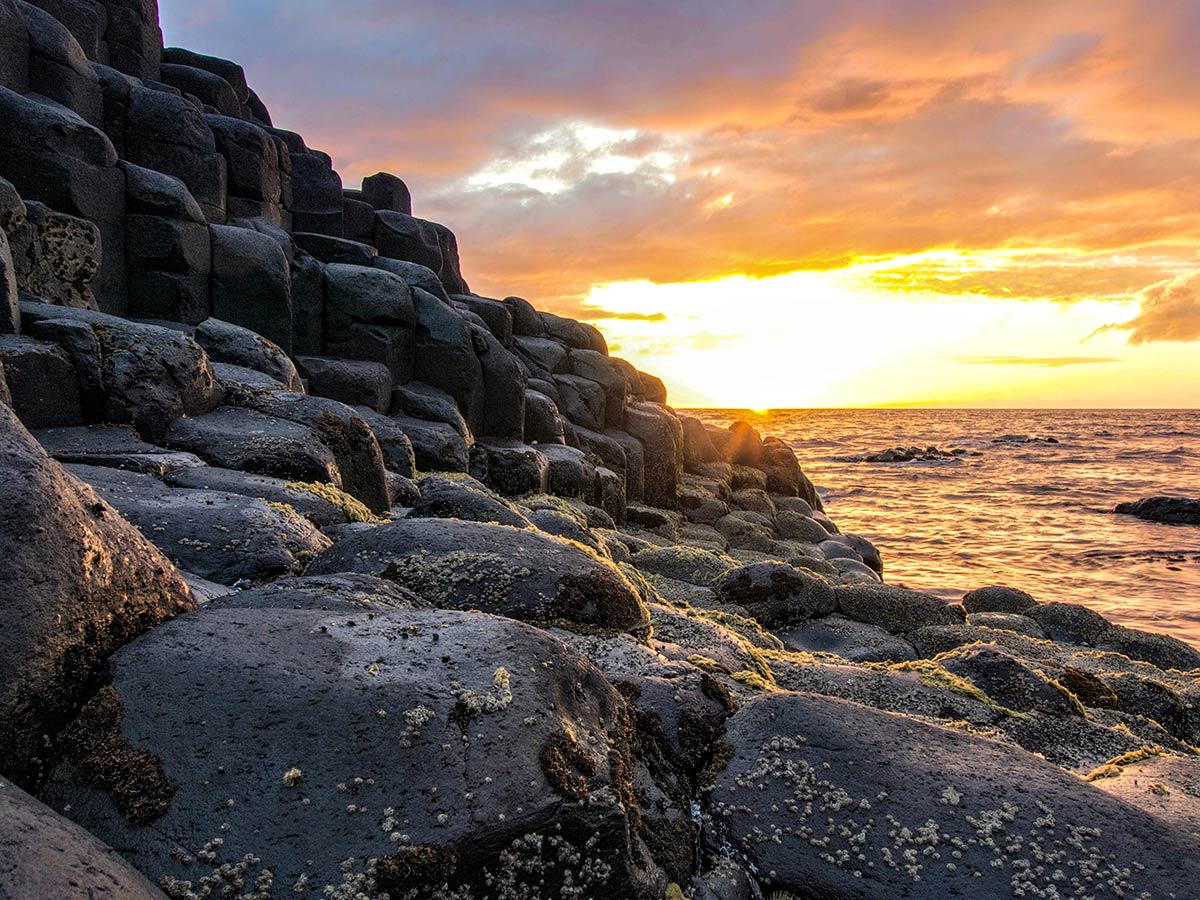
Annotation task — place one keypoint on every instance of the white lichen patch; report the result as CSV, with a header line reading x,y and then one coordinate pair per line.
x,y
476,702
444,578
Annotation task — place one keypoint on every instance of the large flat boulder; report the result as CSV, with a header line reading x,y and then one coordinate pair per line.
x,y
408,753
78,581
249,441
322,504
113,446
513,572
341,429
828,798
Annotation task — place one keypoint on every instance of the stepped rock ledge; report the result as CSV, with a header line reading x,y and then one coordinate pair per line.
x,y
324,576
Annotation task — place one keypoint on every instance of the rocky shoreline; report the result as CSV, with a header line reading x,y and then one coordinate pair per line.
x,y
326,577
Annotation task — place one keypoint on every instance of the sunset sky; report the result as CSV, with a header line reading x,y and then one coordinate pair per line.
x,y
772,204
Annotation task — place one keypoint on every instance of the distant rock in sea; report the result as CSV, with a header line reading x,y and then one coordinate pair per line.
x,y
1024,439
1171,510
915,454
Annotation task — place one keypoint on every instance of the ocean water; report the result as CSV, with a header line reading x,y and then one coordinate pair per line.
x,y
1035,515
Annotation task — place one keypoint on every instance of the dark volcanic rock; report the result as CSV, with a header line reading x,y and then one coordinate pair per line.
x,y
219,536
144,375
114,446
1008,681
252,283
1160,650
424,746
543,423
394,443
940,814
228,343
856,641
1172,510
356,382
43,386
517,573
78,582
445,356
369,315
385,191
343,591
249,441
1069,622
321,504
775,593
894,608
423,401
341,429
997,598
57,257
464,498
42,855
659,431
511,467
436,445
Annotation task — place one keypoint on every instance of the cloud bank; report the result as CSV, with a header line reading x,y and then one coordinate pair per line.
x,y
571,144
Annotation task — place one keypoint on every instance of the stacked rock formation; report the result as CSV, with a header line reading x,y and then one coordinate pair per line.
x,y
324,576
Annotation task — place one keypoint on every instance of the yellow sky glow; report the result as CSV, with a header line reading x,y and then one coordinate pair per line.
x,y
836,339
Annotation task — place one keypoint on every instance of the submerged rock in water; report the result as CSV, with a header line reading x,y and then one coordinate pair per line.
x,y
915,454
1171,510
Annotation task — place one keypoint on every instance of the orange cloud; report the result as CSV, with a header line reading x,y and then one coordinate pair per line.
x,y
1059,140
1170,311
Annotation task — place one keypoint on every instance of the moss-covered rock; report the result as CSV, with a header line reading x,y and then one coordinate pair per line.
x,y
520,573
894,608
775,593
688,564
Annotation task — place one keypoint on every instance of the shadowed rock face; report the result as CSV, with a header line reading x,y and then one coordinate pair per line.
x,y
427,746
78,581
44,855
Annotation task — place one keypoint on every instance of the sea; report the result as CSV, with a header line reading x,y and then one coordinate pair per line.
x,y
1028,504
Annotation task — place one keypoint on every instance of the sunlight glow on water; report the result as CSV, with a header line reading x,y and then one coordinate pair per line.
x,y
1035,516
